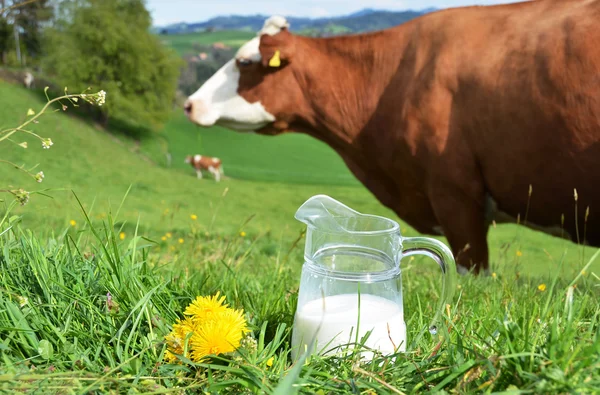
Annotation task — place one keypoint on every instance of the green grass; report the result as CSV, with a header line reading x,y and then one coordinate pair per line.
x,y
289,158
184,43
505,330
60,334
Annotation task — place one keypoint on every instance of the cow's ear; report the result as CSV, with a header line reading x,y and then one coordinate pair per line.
x,y
276,50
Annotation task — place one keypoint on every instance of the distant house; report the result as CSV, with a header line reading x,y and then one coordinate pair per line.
x,y
220,45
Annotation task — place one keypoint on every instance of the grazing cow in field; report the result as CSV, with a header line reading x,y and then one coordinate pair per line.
x,y
453,120
28,80
200,163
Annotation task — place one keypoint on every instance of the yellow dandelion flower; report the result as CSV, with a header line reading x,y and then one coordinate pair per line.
x,y
177,338
122,235
172,248
164,238
494,275
519,253
205,307
542,287
194,217
180,240
243,234
220,335
168,234
72,222
270,361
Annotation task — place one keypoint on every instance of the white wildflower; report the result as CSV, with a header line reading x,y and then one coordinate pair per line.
x,y
101,99
39,176
22,300
46,143
22,196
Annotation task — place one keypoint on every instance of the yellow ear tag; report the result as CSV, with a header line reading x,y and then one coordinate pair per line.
x,y
275,60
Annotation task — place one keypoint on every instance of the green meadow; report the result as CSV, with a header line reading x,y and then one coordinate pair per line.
x,y
112,216
184,43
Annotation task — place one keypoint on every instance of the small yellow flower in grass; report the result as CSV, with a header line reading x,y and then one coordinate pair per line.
x,y
243,234
542,287
583,272
30,112
194,217
494,275
220,335
122,235
519,253
168,235
270,361
72,222
211,328
164,238
180,240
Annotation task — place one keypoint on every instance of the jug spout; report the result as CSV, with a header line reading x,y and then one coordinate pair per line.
x,y
326,214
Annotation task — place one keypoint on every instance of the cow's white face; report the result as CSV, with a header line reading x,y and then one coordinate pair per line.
x,y
218,101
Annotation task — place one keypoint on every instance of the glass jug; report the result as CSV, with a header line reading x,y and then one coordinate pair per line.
x,y
351,279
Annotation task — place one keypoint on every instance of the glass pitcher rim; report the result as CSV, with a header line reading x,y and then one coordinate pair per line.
x,y
395,227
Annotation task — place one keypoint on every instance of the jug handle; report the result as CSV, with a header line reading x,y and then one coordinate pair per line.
x,y
442,255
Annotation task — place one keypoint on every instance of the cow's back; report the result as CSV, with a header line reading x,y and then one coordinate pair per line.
x,y
524,82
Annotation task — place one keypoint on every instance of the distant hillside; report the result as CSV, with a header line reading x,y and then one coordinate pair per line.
x,y
365,20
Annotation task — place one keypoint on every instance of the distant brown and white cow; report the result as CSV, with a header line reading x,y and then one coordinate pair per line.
x,y
447,119
211,164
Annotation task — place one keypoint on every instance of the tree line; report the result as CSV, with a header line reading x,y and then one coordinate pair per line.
x,y
97,44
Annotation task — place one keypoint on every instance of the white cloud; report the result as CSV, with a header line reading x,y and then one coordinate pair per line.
x,y
318,12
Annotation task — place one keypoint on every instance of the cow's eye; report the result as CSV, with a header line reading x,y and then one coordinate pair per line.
x,y
244,62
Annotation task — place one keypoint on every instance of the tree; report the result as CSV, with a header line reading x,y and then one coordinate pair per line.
x,y
22,22
31,17
107,44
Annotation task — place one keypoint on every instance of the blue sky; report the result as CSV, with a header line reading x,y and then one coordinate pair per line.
x,y
171,11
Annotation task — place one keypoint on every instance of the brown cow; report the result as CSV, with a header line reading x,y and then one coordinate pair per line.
x,y
447,119
213,165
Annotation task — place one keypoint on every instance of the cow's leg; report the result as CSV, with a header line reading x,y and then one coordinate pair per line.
x,y
214,173
464,225
199,173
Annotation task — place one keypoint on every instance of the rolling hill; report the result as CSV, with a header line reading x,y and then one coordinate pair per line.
x,y
364,20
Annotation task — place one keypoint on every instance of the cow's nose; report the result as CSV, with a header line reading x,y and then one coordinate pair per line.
x,y
187,107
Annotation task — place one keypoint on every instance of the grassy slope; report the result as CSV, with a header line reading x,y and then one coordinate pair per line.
x,y
97,168
184,43
289,158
